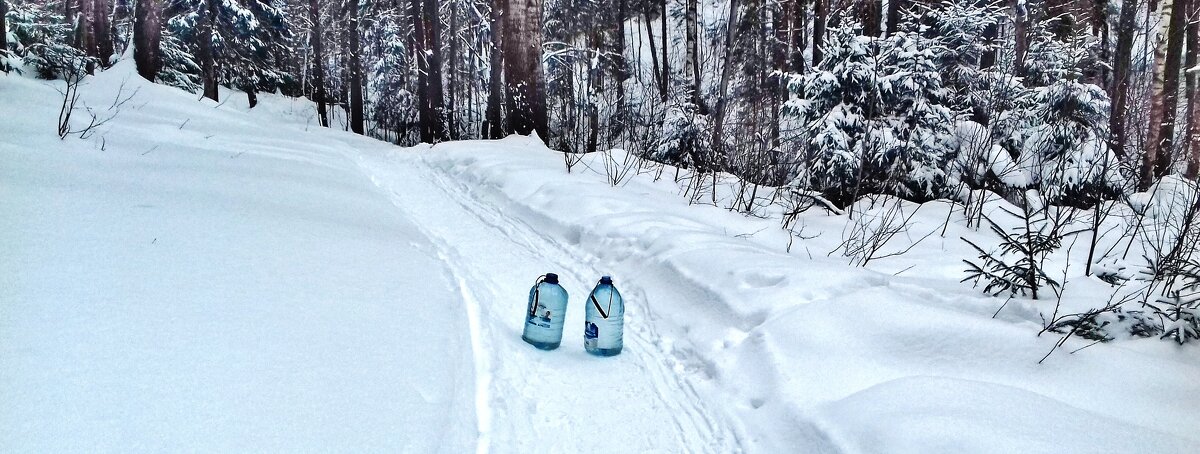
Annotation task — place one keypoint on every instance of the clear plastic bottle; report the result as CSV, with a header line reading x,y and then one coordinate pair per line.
x,y
545,314
603,326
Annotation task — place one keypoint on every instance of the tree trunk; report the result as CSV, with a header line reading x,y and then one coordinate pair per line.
x,y
1163,94
988,58
102,31
660,77
1119,90
820,17
452,75
355,69
318,61
416,44
436,97
251,95
797,24
718,131
594,91
1192,66
208,64
70,9
784,33
1099,21
523,76
3,31
781,46
1021,36
85,32
1170,95
147,32
429,70
666,56
870,12
691,62
493,126
620,69
895,8
1060,21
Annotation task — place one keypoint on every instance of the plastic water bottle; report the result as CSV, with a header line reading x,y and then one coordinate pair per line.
x,y
603,326
546,312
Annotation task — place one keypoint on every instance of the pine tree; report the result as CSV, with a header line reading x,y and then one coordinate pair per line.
x,y
44,40
231,41
918,115
840,97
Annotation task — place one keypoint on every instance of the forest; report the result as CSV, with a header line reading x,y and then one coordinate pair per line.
x,y
1081,100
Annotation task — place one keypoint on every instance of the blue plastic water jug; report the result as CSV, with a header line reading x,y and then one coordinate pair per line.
x,y
546,312
604,324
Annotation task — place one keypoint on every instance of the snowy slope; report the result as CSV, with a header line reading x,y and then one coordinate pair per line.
x,y
203,277
221,285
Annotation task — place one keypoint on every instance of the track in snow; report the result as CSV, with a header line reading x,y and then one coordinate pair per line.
x,y
564,400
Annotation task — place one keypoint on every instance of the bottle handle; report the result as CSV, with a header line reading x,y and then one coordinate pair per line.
x,y
537,287
592,297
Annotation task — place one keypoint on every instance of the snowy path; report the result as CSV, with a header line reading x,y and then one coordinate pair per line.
x,y
564,400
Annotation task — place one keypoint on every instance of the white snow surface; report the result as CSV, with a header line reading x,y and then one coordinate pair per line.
x,y
206,277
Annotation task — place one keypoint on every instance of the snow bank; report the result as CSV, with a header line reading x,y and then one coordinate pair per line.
x,y
196,278
951,415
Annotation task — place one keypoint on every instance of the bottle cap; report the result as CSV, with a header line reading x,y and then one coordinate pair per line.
x,y
607,280
551,278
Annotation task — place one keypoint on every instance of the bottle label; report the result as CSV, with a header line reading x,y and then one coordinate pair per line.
x,y
590,333
602,334
542,317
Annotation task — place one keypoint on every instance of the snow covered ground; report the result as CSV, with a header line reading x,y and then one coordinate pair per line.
x,y
207,277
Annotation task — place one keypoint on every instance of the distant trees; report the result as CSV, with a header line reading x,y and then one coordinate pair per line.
x,y
737,86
